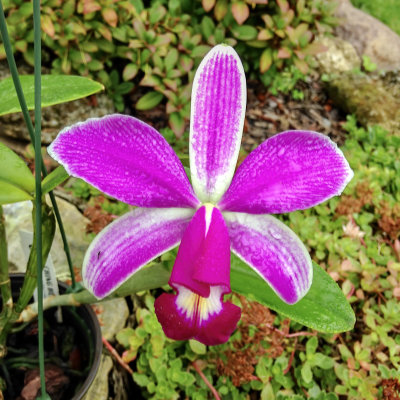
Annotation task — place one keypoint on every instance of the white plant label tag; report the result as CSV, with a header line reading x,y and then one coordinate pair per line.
x,y
50,285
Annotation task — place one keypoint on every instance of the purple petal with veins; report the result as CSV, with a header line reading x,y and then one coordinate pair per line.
x,y
293,170
273,251
124,158
203,258
201,278
216,124
129,243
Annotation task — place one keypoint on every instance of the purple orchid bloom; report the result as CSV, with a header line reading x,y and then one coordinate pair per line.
x,y
223,212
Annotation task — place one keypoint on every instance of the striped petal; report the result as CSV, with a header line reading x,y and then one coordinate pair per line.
x,y
129,243
124,158
291,171
201,278
273,251
217,117
203,258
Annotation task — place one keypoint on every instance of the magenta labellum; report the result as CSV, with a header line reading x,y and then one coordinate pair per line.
x,y
223,212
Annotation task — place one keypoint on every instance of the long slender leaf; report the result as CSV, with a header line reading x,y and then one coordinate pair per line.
x,y
55,178
56,89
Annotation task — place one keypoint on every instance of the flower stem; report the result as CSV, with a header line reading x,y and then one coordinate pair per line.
x,y
21,98
38,187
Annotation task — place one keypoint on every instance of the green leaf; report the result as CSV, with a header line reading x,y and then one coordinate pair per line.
x,y
10,193
245,32
306,373
149,100
14,172
177,123
55,178
197,347
324,308
56,89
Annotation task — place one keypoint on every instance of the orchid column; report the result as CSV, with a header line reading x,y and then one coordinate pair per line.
x,y
132,162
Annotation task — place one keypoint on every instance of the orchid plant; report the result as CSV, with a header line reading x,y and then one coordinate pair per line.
x,y
222,211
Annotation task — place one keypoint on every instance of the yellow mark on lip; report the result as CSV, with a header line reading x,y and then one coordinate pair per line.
x,y
198,308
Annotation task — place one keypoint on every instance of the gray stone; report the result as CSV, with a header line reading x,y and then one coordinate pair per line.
x,y
375,100
369,36
19,216
340,56
113,315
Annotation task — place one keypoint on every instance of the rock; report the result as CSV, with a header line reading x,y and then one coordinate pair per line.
x,y
99,388
369,36
112,316
341,56
56,117
19,216
374,100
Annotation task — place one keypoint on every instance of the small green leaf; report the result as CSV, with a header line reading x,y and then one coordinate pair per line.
x,y
149,100
245,32
265,60
207,27
200,51
14,171
55,178
197,347
306,372
56,89
171,59
324,308
177,123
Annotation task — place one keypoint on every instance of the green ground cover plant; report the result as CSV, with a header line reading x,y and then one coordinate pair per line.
x,y
385,10
158,44
355,237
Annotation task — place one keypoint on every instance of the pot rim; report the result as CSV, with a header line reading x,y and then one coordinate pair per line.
x,y
94,326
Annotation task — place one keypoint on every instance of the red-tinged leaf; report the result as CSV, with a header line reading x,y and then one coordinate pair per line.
x,y
172,84
105,32
284,52
139,27
257,1
170,107
288,17
283,5
265,34
300,54
208,4
186,63
90,6
301,65
314,48
300,6
130,71
177,124
240,12
110,16
265,60
150,80
220,9
47,25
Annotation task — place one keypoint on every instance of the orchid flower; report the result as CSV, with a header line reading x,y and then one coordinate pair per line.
x,y
221,211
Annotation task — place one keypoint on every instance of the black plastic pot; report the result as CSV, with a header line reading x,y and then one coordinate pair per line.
x,y
82,321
